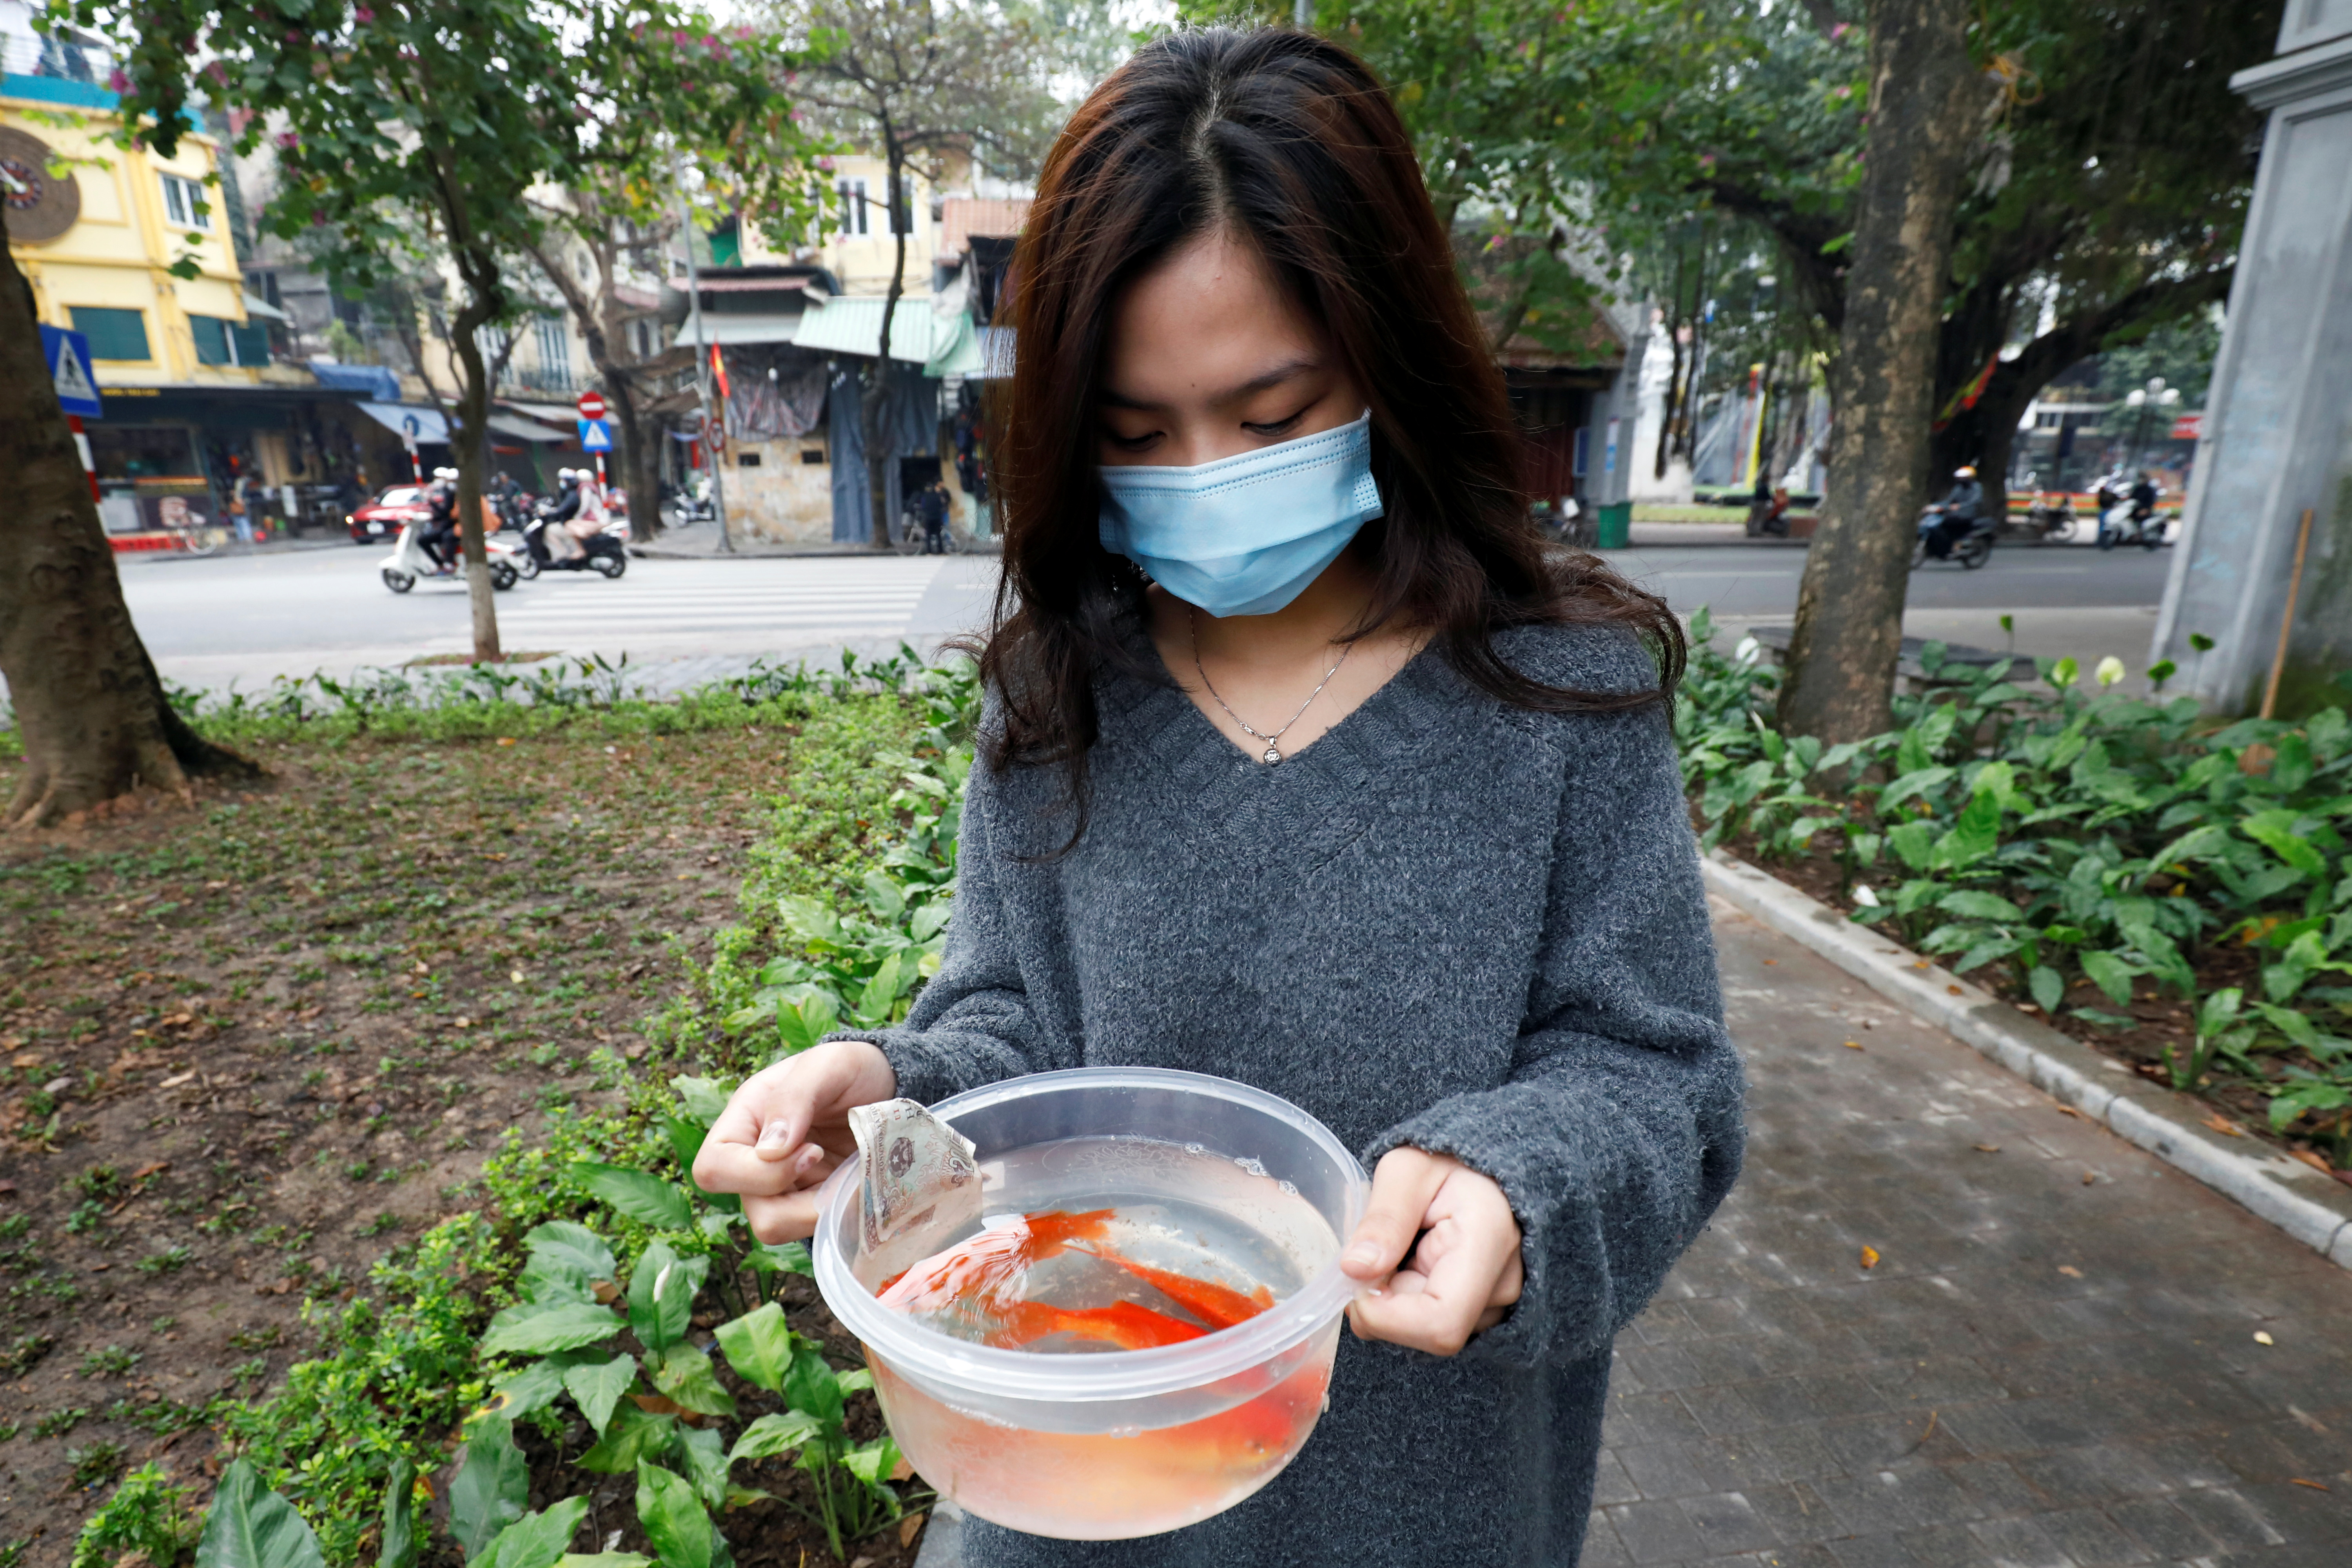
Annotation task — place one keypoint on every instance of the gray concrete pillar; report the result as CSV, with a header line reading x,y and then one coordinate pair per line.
x,y
2278,425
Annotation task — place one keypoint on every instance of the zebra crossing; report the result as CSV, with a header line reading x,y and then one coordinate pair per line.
x,y
689,601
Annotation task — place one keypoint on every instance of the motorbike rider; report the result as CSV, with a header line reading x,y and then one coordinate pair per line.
x,y
1959,509
930,507
2144,495
439,539
562,542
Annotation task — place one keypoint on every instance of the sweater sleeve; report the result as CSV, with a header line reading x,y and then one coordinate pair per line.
x,y
1618,1130
973,1023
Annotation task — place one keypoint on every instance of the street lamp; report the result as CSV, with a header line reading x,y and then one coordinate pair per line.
x,y
2156,394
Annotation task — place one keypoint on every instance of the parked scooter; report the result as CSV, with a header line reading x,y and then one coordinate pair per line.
x,y
410,563
601,553
1971,550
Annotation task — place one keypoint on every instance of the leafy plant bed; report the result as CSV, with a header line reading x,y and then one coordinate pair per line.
x,y
246,1049
2175,892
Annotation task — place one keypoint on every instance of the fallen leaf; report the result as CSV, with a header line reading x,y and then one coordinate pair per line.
x,y
103,1268
1920,965
2316,1160
510,739
26,1060
177,1079
913,1522
1768,960
1854,1045
1953,989
1870,1257
2069,1270
657,1405
7,1189
2070,1111
516,974
2263,1336
2255,760
1988,1148
604,1291
57,1086
2223,1125
903,1470
2292,1480
2089,1178
143,1171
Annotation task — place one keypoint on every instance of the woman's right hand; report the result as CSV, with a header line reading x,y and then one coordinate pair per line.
x,y
786,1129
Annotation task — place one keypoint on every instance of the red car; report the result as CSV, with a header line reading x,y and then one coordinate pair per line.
x,y
378,522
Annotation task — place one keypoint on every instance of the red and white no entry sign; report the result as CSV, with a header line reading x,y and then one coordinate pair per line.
x,y
591,406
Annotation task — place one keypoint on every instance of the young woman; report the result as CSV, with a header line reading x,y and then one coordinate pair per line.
x,y
1304,765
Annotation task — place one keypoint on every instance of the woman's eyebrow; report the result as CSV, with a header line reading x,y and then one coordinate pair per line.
x,y
1111,397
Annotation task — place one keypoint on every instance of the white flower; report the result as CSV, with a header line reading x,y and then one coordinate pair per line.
x,y
2110,670
1864,897
1746,651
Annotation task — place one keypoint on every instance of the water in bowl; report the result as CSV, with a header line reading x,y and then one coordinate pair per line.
x,y
1093,1246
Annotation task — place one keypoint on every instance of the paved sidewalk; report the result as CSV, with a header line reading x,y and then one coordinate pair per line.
x,y
2052,1363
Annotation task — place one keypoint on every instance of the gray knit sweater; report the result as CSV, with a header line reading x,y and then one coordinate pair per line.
x,y
1446,923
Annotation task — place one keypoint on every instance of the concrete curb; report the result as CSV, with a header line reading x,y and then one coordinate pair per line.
x,y
2157,1119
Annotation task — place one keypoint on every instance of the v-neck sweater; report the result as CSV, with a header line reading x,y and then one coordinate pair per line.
x,y
1447,924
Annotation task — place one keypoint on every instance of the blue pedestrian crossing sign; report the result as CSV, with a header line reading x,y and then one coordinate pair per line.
x,y
69,356
595,435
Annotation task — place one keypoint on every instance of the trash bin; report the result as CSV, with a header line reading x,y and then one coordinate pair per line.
x,y
1616,529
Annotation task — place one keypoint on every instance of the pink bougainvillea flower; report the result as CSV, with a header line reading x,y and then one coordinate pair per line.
x,y
1838,32
363,15
117,82
288,139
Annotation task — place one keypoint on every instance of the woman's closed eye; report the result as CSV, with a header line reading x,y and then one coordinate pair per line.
x,y
1278,429
1143,442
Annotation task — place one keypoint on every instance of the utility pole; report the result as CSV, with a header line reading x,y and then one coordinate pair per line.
x,y
702,374
1302,16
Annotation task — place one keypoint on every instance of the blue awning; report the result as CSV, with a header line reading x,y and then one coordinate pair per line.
x,y
409,422
378,384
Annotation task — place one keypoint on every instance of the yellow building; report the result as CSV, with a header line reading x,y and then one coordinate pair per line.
x,y
198,418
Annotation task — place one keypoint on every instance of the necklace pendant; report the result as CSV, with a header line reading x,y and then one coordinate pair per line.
x,y
1273,755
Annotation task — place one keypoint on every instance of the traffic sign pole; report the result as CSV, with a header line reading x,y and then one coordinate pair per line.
x,y
702,377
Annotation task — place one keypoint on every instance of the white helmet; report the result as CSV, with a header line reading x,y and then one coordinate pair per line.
x,y
445,473
1965,472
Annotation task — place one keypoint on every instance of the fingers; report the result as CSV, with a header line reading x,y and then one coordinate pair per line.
x,y
1465,1273
1403,1184
790,1217
780,1129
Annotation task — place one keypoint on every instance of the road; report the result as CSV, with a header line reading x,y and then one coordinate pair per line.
x,y
246,619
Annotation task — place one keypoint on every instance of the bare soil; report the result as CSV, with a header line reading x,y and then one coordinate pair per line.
x,y
246,1050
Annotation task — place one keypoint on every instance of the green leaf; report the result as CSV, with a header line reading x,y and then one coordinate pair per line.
x,y
759,1346
1980,906
704,1454
250,1526
782,1258
687,1376
534,1387
885,897
685,1142
661,1295
854,1380
2111,974
536,1539
605,1560
873,1462
644,1198
2274,830
634,1435
703,1098
810,1386
674,1523
491,1486
808,919
1915,842
562,1241
2049,986
597,1386
400,1537
881,994
1923,782
774,1434
807,1021
1976,835
530,1330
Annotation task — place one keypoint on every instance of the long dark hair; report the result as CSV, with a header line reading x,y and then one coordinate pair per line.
x,y
1287,140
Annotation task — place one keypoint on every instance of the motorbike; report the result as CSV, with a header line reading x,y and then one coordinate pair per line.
x,y
2054,517
1971,550
2121,521
602,553
409,562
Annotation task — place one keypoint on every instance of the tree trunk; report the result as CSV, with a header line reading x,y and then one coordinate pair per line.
x,y
638,475
877,458
1924,97
472,446
90,709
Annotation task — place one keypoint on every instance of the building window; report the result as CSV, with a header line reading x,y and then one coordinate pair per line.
x,y
555,348
250,342
113,334
852,205
184,203
220,340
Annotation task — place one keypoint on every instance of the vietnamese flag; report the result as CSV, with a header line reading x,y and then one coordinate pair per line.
x,y
718,370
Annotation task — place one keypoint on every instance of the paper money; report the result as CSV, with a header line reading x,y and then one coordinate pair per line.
x,y
917,1173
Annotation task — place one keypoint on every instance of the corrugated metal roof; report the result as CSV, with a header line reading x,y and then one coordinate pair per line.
x,y
855,327
729,328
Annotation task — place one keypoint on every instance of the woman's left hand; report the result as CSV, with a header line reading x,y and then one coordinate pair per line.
x,y
1461,1274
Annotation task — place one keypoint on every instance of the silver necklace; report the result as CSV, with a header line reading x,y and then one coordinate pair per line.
x,y
1273,752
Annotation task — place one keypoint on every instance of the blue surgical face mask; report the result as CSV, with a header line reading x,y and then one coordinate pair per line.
x,y
1243,536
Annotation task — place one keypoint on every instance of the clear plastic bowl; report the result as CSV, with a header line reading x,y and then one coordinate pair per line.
x,y
1123,1443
